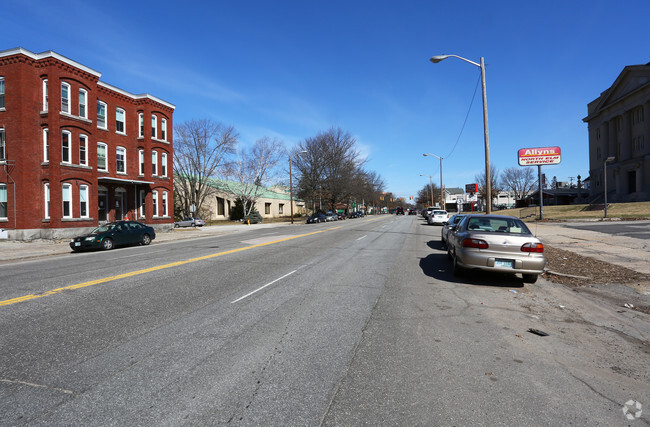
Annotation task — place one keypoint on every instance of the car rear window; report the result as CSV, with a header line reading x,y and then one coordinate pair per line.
x,y
440,212
498,225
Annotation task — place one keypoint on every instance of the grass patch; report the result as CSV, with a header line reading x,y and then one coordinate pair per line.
x,y
633,210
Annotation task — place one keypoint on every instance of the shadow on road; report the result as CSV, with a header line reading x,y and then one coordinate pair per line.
x,y
438,266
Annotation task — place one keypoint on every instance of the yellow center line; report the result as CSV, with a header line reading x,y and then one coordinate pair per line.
x,y
149,270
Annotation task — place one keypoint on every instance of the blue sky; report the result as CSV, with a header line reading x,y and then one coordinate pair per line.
x,y
290,69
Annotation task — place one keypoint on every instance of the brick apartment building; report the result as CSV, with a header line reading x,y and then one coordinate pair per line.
x,y
76,152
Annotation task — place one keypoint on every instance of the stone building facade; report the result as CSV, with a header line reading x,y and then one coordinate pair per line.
x,y
619,130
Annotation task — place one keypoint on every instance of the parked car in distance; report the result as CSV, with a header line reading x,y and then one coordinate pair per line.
x,y
426,212
413,211
317,217
189,222
437,217
331,217
495,243
112,234
446,226
341,216
399,211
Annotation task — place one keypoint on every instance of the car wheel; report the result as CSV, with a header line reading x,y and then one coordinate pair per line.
x,y
176,225
107,244
458,270
193,225
530,278
146,239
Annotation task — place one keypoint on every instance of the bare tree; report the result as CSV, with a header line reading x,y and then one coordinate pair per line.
x,y
520,181
494,179
424,195
201,150
254,170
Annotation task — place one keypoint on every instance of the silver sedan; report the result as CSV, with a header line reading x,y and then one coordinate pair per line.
x,y
496,243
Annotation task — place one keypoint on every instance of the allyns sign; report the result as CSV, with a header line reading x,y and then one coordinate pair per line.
x,y
539,156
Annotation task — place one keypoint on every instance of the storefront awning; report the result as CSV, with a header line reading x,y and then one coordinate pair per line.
x,y
123,181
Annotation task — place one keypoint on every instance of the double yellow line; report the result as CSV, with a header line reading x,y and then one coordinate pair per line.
x,y
149,270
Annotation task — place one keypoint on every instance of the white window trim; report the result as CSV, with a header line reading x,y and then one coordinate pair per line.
x,y
45,95
3,93
84,104
3,185
47,200
154,163
165,204
117,110
83,142
163,164
69,161
102,103
154,203
141,162
163,128
117,150
46,146
141,210
140,125
3,142
63,200
105,160
154,126
66,111
81,191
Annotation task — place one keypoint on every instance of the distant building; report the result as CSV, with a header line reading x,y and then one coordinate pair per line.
x,y
619,126
76,152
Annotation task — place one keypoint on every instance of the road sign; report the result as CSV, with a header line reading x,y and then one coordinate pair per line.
x,y
539,156
471,188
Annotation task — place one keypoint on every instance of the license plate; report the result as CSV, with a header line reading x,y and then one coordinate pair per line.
x,y
507,263
77,243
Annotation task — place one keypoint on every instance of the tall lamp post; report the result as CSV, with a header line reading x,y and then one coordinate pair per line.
x,y
607,160
291,184
488,182
442,192
430,187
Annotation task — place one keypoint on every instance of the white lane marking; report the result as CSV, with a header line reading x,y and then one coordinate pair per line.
x,y
259,289
362,237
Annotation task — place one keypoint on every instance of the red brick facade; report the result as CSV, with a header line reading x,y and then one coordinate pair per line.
x,y
96,167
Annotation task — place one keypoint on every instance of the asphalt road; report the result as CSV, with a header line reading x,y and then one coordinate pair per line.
x,y
345,323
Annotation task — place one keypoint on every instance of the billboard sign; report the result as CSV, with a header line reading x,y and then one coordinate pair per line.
x,y
539,156
471,188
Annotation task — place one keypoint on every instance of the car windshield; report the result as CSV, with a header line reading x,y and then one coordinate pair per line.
x,y
103,228
498,225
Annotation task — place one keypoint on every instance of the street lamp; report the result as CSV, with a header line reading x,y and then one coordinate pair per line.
x,y
607,160
442,198
488,183
430,187
291,184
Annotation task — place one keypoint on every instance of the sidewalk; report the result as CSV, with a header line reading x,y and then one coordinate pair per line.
x,y
625,251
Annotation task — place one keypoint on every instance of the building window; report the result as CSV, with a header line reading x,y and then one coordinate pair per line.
x,y
120,121
45,97
163,129
65,147
154,125
154,163
101,115
141,125
83,150
141,162
267,208
163,164
102,161
102,204
2,92
65,98
46,146
597,133
83,201
66,196
83,103
3,155
154,202
120,160
281,209
47,200
3,201
143,194
164,203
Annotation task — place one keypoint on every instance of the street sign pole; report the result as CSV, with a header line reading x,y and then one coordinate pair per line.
x,y
541,194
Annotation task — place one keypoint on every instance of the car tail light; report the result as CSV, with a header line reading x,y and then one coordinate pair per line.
x,y
475,243
532,247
